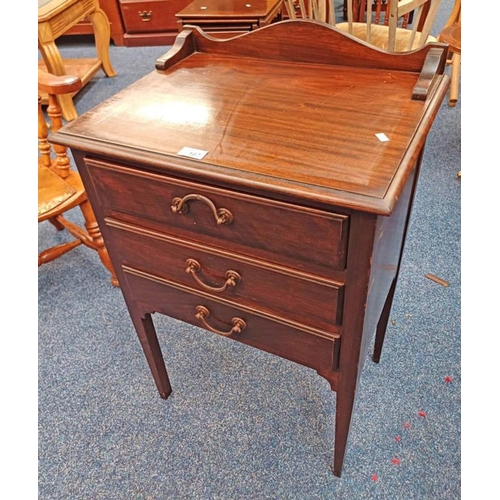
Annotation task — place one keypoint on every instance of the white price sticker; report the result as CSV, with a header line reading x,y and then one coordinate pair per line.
x,y
197,154
382,137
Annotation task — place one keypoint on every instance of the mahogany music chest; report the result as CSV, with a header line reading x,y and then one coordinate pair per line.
x,y
260,188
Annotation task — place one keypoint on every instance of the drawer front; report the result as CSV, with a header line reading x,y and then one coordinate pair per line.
x,y
314,351
305,300
151,16
229,26
305,239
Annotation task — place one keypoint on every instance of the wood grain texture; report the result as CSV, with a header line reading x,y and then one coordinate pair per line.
x,y
245,115
256,228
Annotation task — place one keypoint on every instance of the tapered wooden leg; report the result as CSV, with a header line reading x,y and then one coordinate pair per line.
x,y
362,234
382,323
343,414
149,341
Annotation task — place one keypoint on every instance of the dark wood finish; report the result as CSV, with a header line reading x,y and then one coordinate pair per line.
x,y
194,264
295,192
140,193
112,10
60,188
275,335
225,19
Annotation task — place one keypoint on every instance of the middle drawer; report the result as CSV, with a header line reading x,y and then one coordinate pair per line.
x,y
273,290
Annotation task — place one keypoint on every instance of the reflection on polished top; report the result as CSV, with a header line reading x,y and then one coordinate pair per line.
x,y
338,133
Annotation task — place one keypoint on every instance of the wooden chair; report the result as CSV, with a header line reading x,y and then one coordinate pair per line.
x,y
452,35
383,23
60,187
55,18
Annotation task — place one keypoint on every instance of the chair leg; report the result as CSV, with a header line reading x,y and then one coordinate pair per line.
x,y
56,223
97,240
55,252
455,79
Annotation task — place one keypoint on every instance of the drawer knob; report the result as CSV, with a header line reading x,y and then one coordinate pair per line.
x,y
202,313
145,15
232,277
180,206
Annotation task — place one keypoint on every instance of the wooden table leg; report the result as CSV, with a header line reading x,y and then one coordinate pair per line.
x,y
382,324
102,35
362,234
343,414
149,341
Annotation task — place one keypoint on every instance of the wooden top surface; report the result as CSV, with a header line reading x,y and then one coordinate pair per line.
x,y
47,9
296,128
222,8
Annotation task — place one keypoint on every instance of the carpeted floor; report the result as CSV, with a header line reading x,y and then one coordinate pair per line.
x,y
242,424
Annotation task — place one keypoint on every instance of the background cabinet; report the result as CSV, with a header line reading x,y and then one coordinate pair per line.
x,y
136,23
150,22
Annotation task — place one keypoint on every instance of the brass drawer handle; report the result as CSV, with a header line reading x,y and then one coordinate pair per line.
x,y
180,206
145,15
202,313
232,277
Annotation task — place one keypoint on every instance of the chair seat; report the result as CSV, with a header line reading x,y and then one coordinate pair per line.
x,y
57,195
380,36
52,191
60,187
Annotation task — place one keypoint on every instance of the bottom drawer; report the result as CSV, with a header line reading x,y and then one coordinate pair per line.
x,y
258,287
308,349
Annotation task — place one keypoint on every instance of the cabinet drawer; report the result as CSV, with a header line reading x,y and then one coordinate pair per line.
x,y
315,351
272,231
150,16
242,281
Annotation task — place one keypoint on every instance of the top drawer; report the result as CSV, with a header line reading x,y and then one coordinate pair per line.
x,y
305,239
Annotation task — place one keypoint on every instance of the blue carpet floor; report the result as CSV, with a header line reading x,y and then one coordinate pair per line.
x,y
242,424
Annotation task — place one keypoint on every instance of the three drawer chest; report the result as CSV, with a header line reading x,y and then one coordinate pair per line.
x,y
260,188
